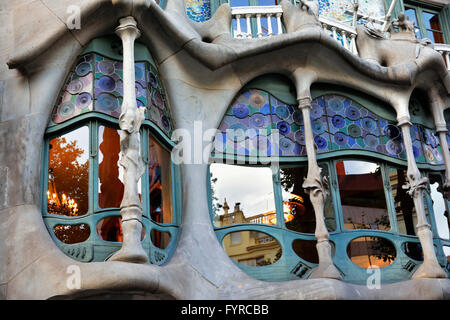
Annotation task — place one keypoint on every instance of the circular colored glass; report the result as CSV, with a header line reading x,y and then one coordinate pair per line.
x,y
317,127
394,147
320,142
83,69
352,113
107,83
282,112
75,86
240,111
340,138
335,104
300,137
371,141
106,67
283,127
152,80
157,100
83,100
354,131
66,109
286,145
368,124
107,102
298,117
338,121
391,131
258,121
257,100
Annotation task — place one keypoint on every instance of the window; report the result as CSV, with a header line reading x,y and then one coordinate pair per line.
x,y
362,195
256,203
83,187
427,22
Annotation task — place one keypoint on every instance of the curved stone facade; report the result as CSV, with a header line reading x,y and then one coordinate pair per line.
x,y
203,68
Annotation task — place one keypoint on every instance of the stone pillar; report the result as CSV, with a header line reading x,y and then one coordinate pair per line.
x,y
441,131
416,186
317,188
130,122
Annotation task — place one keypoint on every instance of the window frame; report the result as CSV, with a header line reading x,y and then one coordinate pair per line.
x,y
419,8
93,120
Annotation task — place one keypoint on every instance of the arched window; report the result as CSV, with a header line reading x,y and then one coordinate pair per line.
x,y
82,175
261,213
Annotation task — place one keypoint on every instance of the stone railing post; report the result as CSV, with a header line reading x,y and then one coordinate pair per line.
x,y
130,122
317,188
416,186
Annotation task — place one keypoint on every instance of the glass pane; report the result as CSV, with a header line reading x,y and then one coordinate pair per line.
x,y
249,188
371,251
439,207
160,182
411,15
109,184
404,204
431,21
160,239
68,173
447,253
362,195
266,2
254,248
110,229
239,3
306,249
298,211
72,233
435,36
413,250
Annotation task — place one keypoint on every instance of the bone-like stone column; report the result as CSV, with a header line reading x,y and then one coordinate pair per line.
x,y
441,130
317,188
130,122
416,185
437,108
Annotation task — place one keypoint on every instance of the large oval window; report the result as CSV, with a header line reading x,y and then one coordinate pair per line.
x,y
367,252
252,248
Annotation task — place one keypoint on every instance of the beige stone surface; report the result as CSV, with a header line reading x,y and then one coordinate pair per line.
x,y
201,78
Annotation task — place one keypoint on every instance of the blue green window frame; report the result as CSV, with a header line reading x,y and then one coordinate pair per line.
x,y
95,248
290,266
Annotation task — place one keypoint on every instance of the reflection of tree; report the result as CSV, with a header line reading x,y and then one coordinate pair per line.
x,y
304,217
380,248
216,206
66,175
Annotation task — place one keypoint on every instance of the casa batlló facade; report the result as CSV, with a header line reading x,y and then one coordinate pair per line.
x,y
213,149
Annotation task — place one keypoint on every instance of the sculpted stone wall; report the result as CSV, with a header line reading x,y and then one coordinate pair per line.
x,y
202,68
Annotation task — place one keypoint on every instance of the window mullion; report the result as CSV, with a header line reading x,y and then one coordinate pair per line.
x,y
278,194
93,165
334,187
385,169
144,179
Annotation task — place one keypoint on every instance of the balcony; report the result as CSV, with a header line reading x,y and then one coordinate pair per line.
x,y
265,21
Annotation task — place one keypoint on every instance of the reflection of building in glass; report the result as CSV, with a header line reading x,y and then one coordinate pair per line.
x,y
251,248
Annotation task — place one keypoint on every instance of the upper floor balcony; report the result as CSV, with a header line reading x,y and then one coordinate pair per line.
x,y
267,21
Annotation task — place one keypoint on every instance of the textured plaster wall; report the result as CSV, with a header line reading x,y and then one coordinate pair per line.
x,y
201,79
